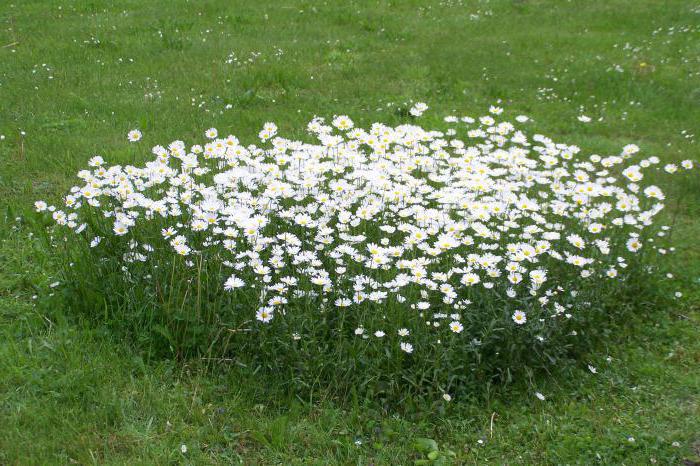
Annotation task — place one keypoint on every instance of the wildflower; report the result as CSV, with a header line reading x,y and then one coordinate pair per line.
x,y
418,109
342,122
470,279
519,317
630,149
456,327
584,119
96,161
120,229
233,282
134,135
211,133
264,314
540,396
633,244
406,347
671,168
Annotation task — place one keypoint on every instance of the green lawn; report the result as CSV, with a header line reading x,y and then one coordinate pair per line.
x,y
76,76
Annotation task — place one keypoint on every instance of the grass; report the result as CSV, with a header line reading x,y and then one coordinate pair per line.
x,y
75,76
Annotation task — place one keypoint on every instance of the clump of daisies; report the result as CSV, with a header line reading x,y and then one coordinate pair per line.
x,y
404,254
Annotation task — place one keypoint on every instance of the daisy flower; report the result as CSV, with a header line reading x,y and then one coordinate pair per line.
x,y
264,315
406,347
418,109
134,135
519,317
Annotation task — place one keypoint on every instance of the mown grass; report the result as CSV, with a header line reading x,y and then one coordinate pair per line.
x,y
70,391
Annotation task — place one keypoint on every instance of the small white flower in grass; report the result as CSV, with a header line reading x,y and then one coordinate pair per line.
x,y
379,334
120,229
447,397
96,161
418,109
631,439
470,279
687,164
678,294
495,110
584,119
540,396
403,332
233,282
522,118
134,135
406,347
359,331
343,122
40,206
456,327
592,369
630,149
268,132
519,317
182,249
211,133
633,244
183,448
264,314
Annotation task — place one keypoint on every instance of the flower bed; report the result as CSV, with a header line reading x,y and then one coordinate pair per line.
x,y
438,256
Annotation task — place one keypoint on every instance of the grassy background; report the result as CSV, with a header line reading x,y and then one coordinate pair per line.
x,y
75,76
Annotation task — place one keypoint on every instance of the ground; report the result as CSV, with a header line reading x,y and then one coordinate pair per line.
x,y
76,76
